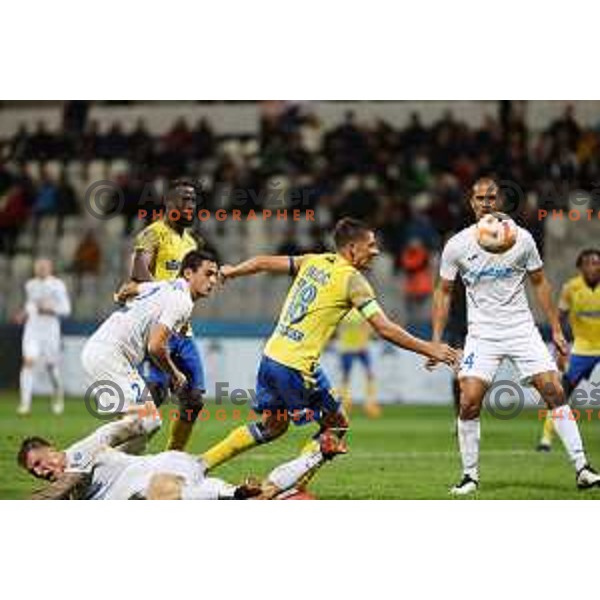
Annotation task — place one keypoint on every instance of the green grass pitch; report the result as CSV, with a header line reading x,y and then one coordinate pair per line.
x,y
409,453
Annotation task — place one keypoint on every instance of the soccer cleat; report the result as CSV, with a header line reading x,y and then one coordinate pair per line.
x,y
543,447
23,411
58,408
372,410
587,478
467,485
331,445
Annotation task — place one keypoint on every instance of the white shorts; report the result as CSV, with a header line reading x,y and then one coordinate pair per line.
x,y
136,478
113,381
38,347
528,353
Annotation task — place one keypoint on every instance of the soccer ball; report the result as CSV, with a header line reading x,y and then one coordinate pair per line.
x,y
496,232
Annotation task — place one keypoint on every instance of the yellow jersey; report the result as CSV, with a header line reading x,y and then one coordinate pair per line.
x,y
167,247
325,289
583,306
354,333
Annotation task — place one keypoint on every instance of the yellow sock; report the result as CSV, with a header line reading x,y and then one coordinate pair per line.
x,y
346,397
179,434
237,441
548,429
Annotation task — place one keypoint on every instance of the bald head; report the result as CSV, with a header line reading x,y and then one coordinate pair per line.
x,y
485,197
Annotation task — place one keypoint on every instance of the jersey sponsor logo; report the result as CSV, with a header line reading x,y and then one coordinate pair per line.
x,y
474,276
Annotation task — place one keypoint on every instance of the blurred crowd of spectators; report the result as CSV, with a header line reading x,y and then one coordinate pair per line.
x,y
410,183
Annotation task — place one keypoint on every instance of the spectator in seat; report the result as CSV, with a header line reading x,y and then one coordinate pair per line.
x,y
418,281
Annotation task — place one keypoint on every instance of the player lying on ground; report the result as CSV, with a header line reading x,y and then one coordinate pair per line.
x,y
95,469
159,251
500,325
580,304
46,302
144,326
325,288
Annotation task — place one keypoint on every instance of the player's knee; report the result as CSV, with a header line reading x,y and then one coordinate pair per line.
x,y
553,394
191,405
469,409
28,363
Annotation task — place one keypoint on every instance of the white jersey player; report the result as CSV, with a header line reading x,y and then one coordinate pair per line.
x,y
112,354
96,469
500,325
46,301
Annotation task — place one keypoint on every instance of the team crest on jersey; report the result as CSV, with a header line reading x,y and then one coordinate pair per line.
x,y
172,265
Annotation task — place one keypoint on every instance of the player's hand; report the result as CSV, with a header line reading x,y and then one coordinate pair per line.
x,y
178,381
20,317
440,352
45,309
226,271
431,364
560,342
126,292
562,361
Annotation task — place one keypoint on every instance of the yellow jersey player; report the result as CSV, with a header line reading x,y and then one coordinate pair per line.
x,y
580,302
158,253
290,382
354,336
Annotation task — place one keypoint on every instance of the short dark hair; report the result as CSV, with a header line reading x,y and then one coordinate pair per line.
x,y
348,230
184,182
194,259
29,444
584,254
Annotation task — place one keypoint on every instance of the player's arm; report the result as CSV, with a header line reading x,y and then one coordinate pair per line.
x,y
442,301
67,486
543,293
63,303
158,351
362,297
144,255
263,264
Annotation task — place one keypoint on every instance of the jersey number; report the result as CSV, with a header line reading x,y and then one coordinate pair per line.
x,y
303,297
468,361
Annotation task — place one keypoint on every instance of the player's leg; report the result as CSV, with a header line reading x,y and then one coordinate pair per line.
x,y
274,382
549,387
472,392
296,473
31,352
580,368
372,407
535,363
333,422
51,357
187,359
346,360
479,364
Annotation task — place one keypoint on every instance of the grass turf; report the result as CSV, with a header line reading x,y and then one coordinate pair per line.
x,y
409,453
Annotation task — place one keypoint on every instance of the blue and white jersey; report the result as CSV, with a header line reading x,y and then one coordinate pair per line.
x,y
166,302
494,283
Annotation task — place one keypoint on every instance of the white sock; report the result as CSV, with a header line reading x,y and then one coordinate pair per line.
x,y
59,394
287,475
26,385
468,440
567,429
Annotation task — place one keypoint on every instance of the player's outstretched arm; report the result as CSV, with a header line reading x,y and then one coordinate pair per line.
x,y
543,293
263,264
392,332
